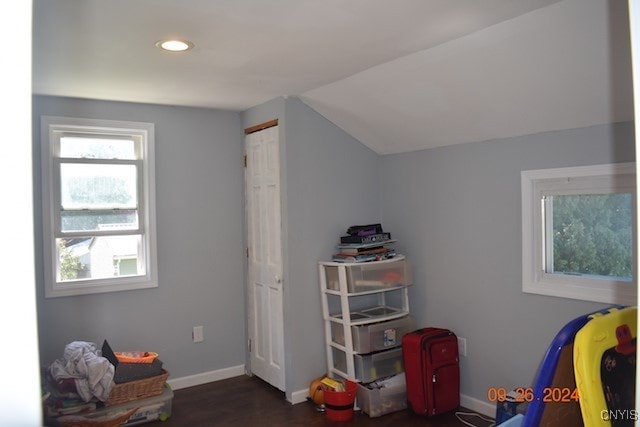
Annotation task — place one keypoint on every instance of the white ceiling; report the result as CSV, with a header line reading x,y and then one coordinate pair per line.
x,y
397,75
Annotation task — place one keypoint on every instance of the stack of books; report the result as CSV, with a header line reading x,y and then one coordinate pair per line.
x,y
364,243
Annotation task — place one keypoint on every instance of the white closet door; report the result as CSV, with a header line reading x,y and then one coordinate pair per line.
x,y
265,256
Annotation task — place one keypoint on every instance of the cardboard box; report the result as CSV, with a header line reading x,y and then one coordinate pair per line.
x,y
125,372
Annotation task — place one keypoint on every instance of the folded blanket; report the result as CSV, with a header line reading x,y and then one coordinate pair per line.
x,y
93,374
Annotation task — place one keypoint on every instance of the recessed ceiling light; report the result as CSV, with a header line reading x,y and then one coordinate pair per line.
x,y
175,45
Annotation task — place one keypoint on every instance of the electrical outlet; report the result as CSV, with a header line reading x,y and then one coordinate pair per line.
x,y
198,334
462,346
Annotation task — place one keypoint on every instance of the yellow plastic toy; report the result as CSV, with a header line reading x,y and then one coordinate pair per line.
x,y
604,360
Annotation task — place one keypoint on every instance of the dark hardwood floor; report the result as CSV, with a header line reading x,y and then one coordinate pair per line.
x,y
248,401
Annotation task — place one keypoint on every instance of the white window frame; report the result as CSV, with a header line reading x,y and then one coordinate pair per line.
x,y
597,179
51,130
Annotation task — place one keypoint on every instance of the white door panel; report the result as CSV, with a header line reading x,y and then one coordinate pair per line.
x,y
265,256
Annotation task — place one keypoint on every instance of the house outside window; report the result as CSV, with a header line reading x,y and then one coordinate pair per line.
x,y
98,205
579,233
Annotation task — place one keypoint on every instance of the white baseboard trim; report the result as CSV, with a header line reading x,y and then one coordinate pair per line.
x,y
206,377
480,406
299,396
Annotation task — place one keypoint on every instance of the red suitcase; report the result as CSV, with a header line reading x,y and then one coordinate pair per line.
x,y
432,370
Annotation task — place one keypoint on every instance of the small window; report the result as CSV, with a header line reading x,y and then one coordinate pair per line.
x,y
578,233
98,206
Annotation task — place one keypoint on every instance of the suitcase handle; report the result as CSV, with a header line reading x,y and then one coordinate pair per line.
x,y
442,335
422,331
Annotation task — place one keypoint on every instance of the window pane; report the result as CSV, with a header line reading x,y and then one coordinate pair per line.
x,y
99,257
91,186
121,219
592,235
97,148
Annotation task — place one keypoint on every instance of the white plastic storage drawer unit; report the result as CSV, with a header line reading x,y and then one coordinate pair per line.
x,y
364,277
374,336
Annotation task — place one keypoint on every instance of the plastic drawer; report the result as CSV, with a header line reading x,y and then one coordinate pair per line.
x,y
374,336
383,397
371,276
371,367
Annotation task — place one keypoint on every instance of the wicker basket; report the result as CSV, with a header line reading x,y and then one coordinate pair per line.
x,y
139,389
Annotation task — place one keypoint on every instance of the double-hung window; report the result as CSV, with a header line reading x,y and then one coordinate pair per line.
x,y
578,233
98,206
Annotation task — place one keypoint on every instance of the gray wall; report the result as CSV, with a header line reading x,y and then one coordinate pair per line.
x,y
199,193
456,212
330,181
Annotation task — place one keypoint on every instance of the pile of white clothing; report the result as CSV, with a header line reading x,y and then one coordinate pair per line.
x,y
93,374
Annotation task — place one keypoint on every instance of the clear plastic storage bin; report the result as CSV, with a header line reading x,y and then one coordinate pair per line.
x,y
383,397
370,367
374,336
364,277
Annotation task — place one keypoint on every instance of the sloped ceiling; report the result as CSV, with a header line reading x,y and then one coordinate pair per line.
x,y
398,76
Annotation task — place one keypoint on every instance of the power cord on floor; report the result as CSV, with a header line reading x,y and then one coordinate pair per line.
x,y
473,414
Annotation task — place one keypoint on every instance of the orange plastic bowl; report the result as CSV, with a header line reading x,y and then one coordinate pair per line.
x,y
136,356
